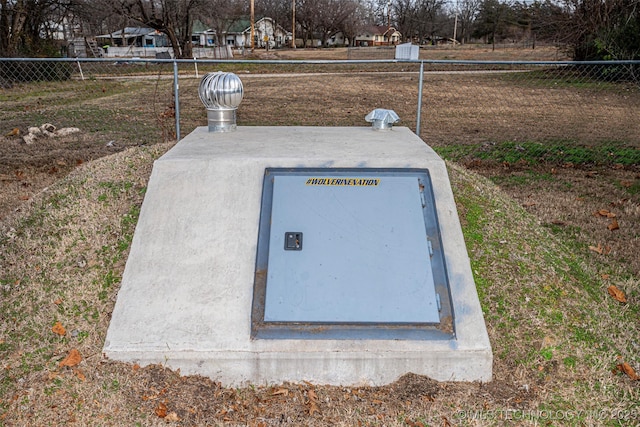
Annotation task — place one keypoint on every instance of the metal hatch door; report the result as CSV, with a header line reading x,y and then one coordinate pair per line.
x,y
349,247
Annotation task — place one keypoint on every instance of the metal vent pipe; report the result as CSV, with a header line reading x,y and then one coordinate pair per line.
x,y
221,93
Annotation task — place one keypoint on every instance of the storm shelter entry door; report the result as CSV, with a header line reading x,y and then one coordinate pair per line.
x,y
349,247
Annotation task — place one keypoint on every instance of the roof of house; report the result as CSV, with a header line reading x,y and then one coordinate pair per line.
x,y
244,25
378,30
200,27
130,32
239,26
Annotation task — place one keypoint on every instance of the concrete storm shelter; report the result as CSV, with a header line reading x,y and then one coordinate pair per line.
x,y
325,254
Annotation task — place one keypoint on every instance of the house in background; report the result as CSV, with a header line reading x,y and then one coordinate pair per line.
x,y
315,40
378,35
203,36
265,32
133,41
136,37
338,39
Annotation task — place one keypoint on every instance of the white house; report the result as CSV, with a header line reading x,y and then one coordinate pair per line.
x,y
265,32
133,41
202,36
378,35
338,39
134,37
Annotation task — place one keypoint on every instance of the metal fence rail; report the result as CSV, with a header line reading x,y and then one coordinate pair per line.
x,y
502,111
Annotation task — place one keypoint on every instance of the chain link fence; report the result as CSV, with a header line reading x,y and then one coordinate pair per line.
x,y
470,111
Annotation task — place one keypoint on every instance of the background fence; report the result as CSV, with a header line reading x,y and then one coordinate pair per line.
x,y
504,112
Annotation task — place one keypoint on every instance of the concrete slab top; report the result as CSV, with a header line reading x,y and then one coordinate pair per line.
x,y
303,142
186,294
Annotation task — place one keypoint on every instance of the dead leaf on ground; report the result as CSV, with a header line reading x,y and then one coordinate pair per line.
x,y
280,391
58,329
172,416
626,184
72,359
313,408
627,369
156,394
313,402
80,374
617,294
602,250
604,213
614,225
161,410
58,301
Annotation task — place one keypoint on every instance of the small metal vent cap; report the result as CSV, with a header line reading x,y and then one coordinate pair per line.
x,y
221,93
382,119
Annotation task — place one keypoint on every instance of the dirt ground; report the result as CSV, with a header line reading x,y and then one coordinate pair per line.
x,y
27,169
567,200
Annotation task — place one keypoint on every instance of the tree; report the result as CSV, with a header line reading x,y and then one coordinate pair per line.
x,y
26,26
604,29
403,14
335,19
468,11
355,23
171,17
221,15
377,11
418,19
323,18
306,12
92,17
493,21
551,21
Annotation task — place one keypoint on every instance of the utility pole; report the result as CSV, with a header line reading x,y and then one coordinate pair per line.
x,y
293,24
455,28
389,22
253,17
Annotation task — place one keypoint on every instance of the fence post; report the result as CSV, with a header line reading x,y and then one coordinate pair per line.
x,y
419,112
80,68
176,97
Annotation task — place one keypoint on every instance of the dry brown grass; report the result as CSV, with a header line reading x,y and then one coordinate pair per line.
x,y
465,52
556,333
